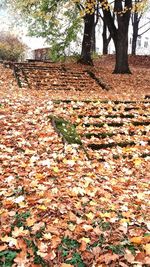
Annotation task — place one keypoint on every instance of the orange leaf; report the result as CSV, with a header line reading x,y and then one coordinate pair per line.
x,y
136,240
3,247
83,246
30,221
39,176
55,241
72,216
146,239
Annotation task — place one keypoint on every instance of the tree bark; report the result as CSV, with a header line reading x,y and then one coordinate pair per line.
x,y
120,34
104,34
87,40
93,41
121,42
106,39
135,33
122,65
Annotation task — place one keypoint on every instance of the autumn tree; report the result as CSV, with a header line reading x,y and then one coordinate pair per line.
x,y
11,48
59,22
87,12
45,18
90,14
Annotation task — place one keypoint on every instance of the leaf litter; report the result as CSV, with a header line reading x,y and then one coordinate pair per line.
x,y
59,208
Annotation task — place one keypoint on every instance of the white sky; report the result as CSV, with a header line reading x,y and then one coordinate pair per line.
x,y
6,24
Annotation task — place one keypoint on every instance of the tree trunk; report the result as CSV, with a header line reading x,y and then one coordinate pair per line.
x,y
121,46
121,41
120,35
87,40
106,39
93,41
104,34
135,32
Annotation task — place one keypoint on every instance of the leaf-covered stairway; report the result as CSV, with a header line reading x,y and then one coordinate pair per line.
x,y
110,129
53,76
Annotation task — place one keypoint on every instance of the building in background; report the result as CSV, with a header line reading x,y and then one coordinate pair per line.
x,y
41,53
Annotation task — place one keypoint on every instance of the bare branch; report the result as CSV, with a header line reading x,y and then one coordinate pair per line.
x,y
144,25
144,32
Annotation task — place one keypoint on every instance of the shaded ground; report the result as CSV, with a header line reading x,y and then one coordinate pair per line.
x,y
58,208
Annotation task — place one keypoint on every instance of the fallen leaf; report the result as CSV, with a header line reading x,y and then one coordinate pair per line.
x,y
136,240
129,256
3,247
19,231
55,241
147,249
85,239
83,245
66,265
87,227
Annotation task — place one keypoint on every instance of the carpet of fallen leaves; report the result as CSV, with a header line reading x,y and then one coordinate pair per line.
x,y
57,208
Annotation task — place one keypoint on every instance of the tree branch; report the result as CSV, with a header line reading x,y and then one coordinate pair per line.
x,y
144,32
144,25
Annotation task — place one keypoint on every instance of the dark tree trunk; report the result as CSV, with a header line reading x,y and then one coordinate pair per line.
x,y
104,34
87,40
106,39
120,35
121,42
135,32
93,42
122,65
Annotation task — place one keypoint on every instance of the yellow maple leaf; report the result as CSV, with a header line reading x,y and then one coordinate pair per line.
x,y
137,162
147,249
90,215
42,207
106,215
93,203
71,226
55,169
